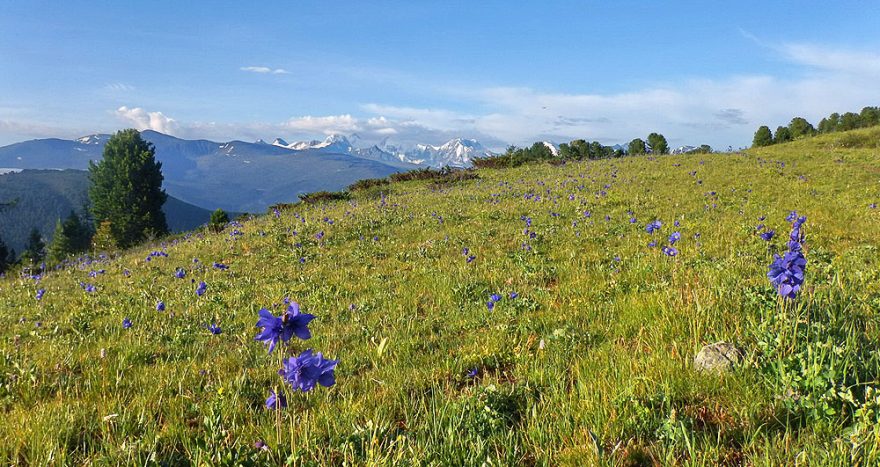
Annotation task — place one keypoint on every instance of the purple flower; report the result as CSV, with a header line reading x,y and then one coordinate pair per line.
x,y
201,289
652,226
676,236
283,327
126,323
40,294
214,329
791,216
670,251
768,235
473,372
677,223
160,306
275,401
513,295
490,305
180,273
495,297
787,272
652,243
220,266
471,258
308,369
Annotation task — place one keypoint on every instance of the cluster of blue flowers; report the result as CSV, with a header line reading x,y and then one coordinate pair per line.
x,y
787,271
304,371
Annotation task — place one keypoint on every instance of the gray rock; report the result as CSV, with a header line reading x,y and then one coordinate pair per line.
x,y
718,357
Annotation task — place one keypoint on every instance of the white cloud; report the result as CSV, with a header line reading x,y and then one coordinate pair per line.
x,y
119,87
844,61
143,120
265,70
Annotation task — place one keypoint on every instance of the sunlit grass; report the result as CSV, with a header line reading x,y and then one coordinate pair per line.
x,y
591,363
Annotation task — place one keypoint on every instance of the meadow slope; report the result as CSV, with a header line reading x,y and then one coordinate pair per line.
x,y
586,357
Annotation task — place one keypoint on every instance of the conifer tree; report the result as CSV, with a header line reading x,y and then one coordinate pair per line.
x,y
126,190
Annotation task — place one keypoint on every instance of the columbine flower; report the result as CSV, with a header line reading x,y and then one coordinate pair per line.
x,y
670,251
275,401
200,290
160,306
283,327
308,369
126,323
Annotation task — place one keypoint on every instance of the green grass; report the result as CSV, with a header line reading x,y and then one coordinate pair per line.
x,y
591,364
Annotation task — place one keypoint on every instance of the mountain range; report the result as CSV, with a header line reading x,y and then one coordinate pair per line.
x,y
38,198
248,177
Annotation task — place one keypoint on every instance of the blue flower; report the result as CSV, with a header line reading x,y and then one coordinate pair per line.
x,y
282,328
214,329
180,273
787,273
160,306
676,236
275,401
308,369
490,305
652,226
473,372
40,294
670,251
220,266
513,295
495,297
471,258
200,290
768,235
126,323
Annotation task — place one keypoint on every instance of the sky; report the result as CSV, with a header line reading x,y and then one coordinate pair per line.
x,y
416,71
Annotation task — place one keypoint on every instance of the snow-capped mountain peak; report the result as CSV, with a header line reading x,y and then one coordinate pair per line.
x,y
93,139
280,142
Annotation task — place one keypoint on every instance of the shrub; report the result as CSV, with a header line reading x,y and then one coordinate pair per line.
x,y
368,183
219,218
324,196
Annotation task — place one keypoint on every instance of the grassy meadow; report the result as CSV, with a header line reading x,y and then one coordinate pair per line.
x,y
585,359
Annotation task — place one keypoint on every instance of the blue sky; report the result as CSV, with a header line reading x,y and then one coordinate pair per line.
x,y
499,71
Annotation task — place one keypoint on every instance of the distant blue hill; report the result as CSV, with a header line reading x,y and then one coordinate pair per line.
x,y
38,198
235,176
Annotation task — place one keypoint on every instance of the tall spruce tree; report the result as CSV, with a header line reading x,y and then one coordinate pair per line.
x,y
4,256
35,250
126,190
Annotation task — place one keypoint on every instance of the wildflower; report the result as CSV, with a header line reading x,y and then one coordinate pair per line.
x,y
200,290
160,306
676,236
670,250
283,327
274,401
40,294
768,235
652,226
214,329
471,258
652,243
513,295
308,369
787,271
220,266
791,216
677,223
490,305
180,273
126,323
473,372
495,297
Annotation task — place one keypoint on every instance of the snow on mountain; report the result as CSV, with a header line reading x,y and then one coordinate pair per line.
x,y
93,139
458,152
683,149
552,147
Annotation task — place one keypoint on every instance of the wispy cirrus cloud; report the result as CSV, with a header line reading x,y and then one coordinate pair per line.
x,y
119,87
265,70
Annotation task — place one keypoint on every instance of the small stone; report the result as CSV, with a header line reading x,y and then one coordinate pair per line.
x,y
718,357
